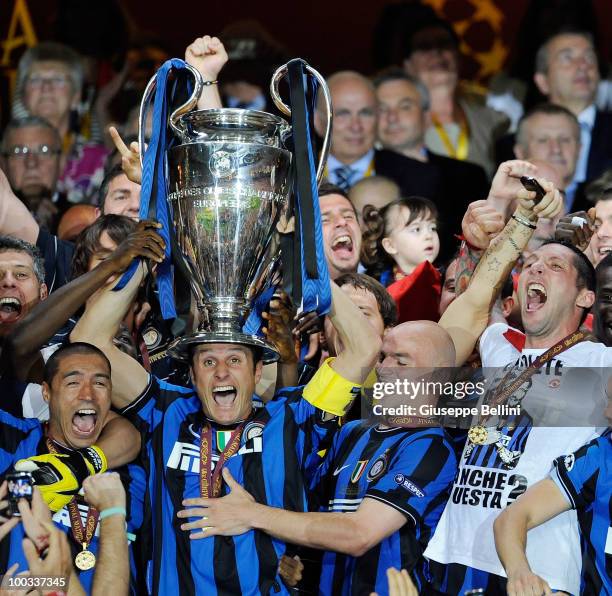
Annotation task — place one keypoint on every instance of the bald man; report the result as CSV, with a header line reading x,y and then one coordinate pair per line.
x,y
381,488
377,191
352,156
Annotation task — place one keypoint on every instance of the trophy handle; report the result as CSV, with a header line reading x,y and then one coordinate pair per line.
x,y
175,124
280,72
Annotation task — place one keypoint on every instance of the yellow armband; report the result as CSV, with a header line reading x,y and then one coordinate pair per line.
x,y
330,392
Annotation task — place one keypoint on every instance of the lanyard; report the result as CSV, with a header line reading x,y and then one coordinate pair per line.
x,y
461,151
210,482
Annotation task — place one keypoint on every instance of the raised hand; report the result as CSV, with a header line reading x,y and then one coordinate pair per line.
x,y
576,228
481,223
130,156
104,491
550,206
144,242
206,54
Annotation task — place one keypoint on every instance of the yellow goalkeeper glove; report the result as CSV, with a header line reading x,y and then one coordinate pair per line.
x,y
59,476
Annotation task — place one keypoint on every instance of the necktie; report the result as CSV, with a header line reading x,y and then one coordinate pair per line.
x,y
344,174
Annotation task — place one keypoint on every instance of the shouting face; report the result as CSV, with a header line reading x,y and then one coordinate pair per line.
x,y
225,376
79,398
20,289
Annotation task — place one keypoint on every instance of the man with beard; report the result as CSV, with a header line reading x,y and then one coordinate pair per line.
x,y
192,433
381,487
504,455
31,159
341,231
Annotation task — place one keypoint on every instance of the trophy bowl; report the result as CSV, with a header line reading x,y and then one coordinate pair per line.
x,y
228,183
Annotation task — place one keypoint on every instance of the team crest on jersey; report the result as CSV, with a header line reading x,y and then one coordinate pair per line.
x,y
252,430
378,468
358,471
151,337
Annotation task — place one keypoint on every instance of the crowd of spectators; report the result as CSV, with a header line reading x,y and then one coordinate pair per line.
x,y
215,474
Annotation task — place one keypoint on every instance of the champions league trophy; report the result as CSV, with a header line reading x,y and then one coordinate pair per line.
x,y
229,180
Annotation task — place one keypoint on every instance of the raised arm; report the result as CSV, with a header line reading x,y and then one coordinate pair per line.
x,y
466,317
207,54
15,219
361,344
102,317
47,317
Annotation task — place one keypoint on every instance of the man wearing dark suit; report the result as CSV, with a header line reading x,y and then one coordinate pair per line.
x,y
567,73
450,183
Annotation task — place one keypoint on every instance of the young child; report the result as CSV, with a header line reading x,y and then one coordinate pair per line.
x,y
400,244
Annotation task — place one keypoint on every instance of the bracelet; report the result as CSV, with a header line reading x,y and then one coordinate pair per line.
x,y
113,511
523,222
207,83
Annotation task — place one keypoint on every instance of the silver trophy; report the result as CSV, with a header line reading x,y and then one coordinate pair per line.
x,y
228,182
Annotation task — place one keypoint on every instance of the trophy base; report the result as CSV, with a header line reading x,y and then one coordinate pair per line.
x,y
179,349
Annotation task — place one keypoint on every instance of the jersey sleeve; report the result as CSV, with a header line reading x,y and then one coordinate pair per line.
x,y
315,434
418,477
147,411
576,474
19,439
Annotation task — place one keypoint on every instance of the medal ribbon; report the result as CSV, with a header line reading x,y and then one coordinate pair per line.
x,y
210,482
461,151
82,535
504,391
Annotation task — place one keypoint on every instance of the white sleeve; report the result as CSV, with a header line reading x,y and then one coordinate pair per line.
x,y
33,403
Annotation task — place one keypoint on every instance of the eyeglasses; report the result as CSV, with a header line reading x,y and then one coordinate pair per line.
x,y
22,151
57,81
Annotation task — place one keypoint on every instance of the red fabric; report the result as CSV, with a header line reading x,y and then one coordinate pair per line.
x,y
588,322
417,296
516,338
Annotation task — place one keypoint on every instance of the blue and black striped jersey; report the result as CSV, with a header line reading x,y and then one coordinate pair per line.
x,y
22,438
410,470
278,445
585,478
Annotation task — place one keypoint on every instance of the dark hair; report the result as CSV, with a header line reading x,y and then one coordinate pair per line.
x,y
118,227
110,175
378,225
8,243
386,304
327,188
549,109
585,272
80,347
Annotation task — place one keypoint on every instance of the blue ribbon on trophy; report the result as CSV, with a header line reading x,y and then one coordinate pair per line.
x,y
311,288
153,191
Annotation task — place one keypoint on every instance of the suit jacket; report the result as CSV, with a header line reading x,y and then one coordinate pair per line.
x,y
450,183
598,161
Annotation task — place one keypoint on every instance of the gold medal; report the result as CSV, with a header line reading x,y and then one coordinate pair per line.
x,y
85,560
478,435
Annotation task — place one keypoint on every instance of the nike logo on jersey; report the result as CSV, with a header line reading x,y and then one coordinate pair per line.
x,y
338,470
